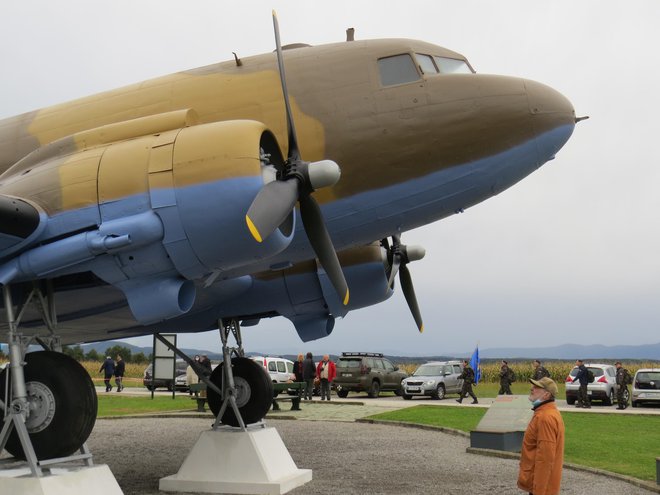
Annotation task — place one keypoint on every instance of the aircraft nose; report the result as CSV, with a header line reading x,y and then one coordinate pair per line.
x,y
552,117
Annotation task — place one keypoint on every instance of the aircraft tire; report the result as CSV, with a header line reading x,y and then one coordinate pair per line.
x,y
254,392
66,405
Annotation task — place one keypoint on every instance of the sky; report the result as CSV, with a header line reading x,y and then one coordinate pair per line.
x,y
571,254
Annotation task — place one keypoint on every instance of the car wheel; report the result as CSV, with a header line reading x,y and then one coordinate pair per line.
x,y
407,396
63,405
254,392
634,403
343,393
439,392
398,391
626,395
374,391
610,399
150,388
570,400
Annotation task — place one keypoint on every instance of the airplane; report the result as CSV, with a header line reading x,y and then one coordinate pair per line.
x,y
254,188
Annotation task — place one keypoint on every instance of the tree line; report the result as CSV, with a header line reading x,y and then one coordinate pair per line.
x,y
77,353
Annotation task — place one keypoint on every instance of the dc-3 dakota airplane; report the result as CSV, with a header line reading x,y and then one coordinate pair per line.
x,y
222,195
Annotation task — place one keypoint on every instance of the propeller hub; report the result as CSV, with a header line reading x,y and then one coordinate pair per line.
x,y
324,173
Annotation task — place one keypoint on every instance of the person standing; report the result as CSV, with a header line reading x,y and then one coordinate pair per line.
x,y
326,372
108,369
309,372
298,368
120,368
539,371
505,379
468,379
542,455
623,379
582,377
191,375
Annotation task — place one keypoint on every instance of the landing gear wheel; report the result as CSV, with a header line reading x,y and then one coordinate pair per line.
x,y
62,402
254,392
374,391
439,392
342,393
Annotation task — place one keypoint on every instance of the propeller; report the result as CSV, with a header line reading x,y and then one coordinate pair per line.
x,y
295,183
400,255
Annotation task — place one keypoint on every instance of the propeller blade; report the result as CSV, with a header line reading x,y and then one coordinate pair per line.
x,y
409,293
294,152
319,238
396,261
270,207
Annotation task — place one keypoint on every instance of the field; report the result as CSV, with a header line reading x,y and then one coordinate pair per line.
x,y
622,444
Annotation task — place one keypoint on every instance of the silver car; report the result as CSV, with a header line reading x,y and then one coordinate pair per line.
x,y
603,388
646,387
434,379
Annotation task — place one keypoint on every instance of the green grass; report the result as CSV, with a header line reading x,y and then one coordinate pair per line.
x,y
115,405
624,444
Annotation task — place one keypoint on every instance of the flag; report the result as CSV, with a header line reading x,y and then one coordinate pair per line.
x,y
475,364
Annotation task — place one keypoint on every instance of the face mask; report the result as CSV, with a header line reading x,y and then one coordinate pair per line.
x,y
536,402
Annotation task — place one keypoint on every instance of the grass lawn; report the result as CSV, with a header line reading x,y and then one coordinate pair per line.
x,y
116,405
624,444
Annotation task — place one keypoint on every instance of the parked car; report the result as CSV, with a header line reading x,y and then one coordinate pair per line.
x,y
603,388
434,379
152,384
367,372
279,369
646,387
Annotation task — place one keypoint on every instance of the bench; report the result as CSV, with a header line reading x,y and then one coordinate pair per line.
x,y
298,387
199,388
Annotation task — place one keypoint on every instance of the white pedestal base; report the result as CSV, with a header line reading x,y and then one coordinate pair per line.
x,y
98,480
234,461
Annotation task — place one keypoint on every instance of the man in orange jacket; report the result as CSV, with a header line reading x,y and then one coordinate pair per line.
x,y
542,455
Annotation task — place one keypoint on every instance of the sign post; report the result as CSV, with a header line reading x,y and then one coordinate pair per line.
x,y
164,362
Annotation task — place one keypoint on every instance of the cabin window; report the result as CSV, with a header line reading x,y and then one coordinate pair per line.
x,y
426,64
399,69
452,66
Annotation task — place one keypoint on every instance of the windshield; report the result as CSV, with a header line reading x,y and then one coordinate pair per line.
x,y
649,379
595,371
349,363
428,370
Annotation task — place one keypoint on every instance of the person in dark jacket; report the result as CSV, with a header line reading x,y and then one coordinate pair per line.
x,y
623,379
298,368
505,379
582,377
539,371
309,373
468,379
108,369
120,368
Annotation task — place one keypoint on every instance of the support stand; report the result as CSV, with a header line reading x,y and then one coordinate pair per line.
x,y
32,475
247,459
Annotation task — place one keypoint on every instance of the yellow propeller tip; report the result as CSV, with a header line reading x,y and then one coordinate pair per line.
x,y
421,329
253,229
346,298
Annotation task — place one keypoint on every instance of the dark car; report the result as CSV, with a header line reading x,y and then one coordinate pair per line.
x,y
367,372
151,384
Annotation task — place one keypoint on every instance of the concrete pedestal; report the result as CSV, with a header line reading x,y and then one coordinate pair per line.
x,y
504,424
235,461
98,480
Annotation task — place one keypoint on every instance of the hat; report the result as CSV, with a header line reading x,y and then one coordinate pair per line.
x,y
547,384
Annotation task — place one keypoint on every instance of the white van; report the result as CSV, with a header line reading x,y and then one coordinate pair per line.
x,y
279,369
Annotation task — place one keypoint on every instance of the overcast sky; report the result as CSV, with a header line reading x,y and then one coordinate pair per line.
x,y
570,254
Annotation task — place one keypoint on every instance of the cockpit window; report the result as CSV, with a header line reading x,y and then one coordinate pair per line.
x,y
452,65
398,69
426,64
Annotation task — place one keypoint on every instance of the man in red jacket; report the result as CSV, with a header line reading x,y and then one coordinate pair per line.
x,y
542,456
326,372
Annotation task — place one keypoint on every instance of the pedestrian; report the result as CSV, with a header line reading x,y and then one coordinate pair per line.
x,y
468,379
205,369
120,368
505,379
542,455
309,372
582,377
623,379
326,372
539,371
108,369
191,375
298,368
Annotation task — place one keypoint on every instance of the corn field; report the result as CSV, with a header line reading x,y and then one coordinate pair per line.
x,y
559,370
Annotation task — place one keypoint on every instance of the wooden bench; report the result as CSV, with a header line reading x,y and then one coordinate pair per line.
x,y
198,388
299,388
